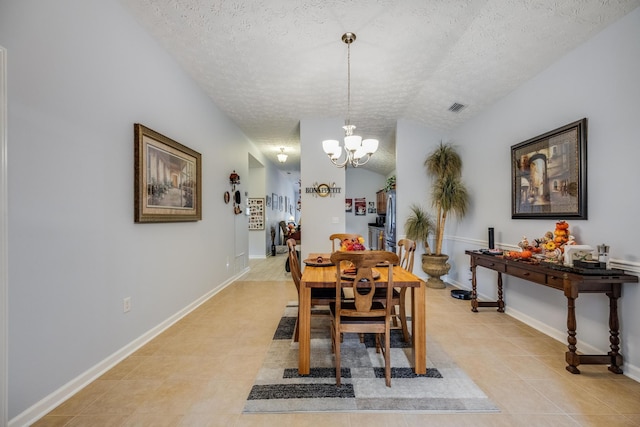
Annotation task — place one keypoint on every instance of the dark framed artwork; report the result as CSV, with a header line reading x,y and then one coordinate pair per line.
x,y
348,205
167,179
361,206
549,174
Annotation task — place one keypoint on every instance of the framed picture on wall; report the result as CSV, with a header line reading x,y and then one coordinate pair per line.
x,y
348,205
167,179
361,206
549,174
274,201
256,213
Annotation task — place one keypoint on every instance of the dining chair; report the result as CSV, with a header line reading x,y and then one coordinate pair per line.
x,y
339,237
362,314
319,296
406,252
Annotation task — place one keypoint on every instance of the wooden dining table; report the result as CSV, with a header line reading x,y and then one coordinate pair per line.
x,y
325,277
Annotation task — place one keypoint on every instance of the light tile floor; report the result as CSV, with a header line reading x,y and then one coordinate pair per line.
x,y
199,372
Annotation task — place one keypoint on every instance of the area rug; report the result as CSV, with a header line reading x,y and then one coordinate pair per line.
x,y
445,388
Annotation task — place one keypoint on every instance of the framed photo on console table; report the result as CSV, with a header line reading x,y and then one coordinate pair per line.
x,y
549,174
167,179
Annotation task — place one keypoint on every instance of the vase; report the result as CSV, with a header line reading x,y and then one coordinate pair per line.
x,y
435,266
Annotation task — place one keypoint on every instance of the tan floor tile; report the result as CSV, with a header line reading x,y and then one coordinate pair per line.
x,y
53,421
222,397
152,420
528,367
570,397
97,421
84,398
635,419
604,421
608,391
174,396
123,398
123,368
158,367
517,396
209,420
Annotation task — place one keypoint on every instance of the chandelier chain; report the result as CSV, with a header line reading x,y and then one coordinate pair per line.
x,y
348,83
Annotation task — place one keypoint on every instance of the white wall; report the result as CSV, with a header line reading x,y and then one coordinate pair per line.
x,y
361,183
81,73
321,216
598,80
413,143
4,229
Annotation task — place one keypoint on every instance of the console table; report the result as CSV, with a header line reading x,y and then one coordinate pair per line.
x,y
573,282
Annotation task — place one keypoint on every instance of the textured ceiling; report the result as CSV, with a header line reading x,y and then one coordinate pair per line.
x,y
270,63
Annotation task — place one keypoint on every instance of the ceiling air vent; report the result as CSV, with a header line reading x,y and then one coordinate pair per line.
x,y
456,108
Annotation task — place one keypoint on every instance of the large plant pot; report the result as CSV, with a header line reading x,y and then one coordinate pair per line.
x,y
435,266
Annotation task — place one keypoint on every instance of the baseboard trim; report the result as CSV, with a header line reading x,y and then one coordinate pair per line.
x,y
46,405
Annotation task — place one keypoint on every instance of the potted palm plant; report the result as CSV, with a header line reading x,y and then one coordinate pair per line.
x,y
449,196
419,226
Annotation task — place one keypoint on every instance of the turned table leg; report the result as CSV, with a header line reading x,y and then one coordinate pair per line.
x,y
572,358
500,294
474,293
614,328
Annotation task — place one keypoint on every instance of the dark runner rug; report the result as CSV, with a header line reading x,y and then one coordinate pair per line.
x,y
279,388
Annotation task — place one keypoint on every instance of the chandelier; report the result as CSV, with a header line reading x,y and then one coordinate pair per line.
x,y
281,156
357,151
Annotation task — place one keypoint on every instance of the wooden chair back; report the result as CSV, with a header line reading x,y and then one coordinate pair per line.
x,y
294,266
364,283
406,252
339,237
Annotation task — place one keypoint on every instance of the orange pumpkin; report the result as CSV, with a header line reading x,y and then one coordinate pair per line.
x,y
525,254
562,225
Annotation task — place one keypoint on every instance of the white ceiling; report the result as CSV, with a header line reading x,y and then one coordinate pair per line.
x,y
269,63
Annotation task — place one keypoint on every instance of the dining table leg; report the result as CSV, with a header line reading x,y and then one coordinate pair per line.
x,y
304,327
419,329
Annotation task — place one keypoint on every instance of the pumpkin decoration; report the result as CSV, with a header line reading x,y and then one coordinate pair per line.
x,y
561,234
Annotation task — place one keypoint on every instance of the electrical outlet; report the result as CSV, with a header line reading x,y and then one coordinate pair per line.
x,y
126,305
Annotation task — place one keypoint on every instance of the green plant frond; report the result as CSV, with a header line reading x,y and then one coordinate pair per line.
x,y
450,194
418,226
444,161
